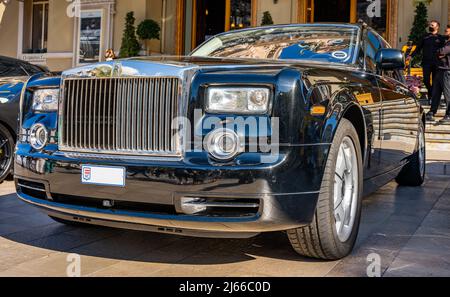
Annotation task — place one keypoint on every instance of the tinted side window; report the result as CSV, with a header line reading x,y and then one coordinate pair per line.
x,y
11,69
372,45
383,42
31,69
395,74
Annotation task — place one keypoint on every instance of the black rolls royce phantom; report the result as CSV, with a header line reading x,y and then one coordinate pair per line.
x,y
281,128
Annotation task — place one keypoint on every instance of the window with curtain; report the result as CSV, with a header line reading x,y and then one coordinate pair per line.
x,y
39,26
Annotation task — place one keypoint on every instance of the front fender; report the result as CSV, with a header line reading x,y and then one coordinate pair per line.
x,y
38,81
345,106
10,91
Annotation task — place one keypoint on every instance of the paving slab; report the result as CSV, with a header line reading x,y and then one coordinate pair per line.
x,y
408,228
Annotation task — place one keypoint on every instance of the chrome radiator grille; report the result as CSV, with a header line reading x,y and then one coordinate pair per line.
x,y
130,116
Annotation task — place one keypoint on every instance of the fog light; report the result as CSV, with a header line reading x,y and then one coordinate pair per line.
x,y
191,206
38,136
223,144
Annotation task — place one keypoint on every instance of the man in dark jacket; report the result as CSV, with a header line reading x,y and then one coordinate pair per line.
x,y
428,46
442,81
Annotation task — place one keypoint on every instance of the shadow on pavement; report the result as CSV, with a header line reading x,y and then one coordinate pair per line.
x,y
35,229
438,168
392,215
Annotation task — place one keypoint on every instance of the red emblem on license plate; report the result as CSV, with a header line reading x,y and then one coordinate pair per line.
x,y
87,171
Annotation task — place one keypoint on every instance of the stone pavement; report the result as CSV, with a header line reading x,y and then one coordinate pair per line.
x,y
408,228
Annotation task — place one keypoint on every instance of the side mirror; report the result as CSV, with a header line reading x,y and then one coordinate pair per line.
x,y
390,59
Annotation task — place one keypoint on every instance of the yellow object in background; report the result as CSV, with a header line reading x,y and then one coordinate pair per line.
x,y
318,110
365,99
417,72
409,49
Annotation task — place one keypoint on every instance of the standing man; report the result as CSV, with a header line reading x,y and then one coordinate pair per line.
x,y
442,81
429,45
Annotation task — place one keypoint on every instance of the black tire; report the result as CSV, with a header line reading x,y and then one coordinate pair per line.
x,y
413,174
69,223
320,239
7,145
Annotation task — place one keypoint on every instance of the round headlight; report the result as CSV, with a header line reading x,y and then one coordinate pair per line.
x,y
259,98
223,144
38,136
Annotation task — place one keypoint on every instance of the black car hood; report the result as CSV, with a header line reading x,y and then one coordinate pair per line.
x,y
209,61
177,65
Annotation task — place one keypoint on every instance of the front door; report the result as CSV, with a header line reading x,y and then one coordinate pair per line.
x,y
370,100
209,19
399,122
332,11
340,11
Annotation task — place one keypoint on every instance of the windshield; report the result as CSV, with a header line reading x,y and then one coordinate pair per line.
x,y
333,44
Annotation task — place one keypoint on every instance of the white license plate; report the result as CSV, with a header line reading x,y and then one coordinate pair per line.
x,y
103,175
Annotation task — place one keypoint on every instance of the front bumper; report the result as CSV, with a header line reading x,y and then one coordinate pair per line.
x,y
287,192
199,226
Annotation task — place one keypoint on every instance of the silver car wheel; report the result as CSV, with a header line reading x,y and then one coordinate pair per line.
x,y
422,150
346,189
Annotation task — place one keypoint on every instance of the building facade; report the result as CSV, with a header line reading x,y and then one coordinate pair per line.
x,y
66,33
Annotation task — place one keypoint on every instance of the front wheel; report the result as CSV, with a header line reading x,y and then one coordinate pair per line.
x,y
333,232
413,174
6,153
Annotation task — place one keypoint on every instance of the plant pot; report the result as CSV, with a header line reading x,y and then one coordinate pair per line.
x,y
143,52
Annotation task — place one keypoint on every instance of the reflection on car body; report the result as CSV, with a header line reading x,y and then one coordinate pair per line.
x,y
13,74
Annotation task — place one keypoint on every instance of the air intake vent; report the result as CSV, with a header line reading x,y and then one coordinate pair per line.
x,y
217,207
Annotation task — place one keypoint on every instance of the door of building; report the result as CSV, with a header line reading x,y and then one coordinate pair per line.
x,y
209,19
332,10
343,11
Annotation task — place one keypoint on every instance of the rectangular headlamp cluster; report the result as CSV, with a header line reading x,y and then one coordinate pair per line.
x,y
46,100
245,100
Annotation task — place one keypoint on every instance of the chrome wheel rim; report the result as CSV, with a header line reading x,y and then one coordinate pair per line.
x,y
346,189
422,152
5,154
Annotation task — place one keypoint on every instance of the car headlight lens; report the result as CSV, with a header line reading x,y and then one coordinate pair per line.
x,y
238,100
38,136
46,100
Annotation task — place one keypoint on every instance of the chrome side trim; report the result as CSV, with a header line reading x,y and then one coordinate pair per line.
x,y
117,157
31,188
223,204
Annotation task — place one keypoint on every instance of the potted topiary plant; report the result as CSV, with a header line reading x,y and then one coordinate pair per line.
x,y
130,45
419,29
148,30
267,19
